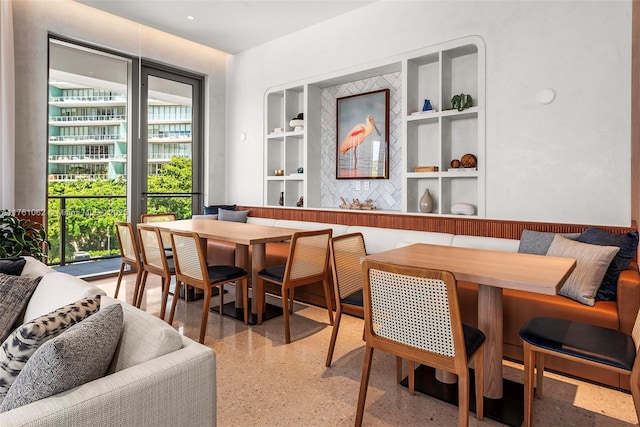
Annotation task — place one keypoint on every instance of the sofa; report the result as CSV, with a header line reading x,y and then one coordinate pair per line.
x,y
160,378
518,306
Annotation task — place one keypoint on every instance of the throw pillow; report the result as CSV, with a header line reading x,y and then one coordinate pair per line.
x,y
592,262
143,338
235,216
79,355
213,209
12,266
15,292
628,244
538,242
26,339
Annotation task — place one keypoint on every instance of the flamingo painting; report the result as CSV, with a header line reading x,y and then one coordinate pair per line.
x,y
356,136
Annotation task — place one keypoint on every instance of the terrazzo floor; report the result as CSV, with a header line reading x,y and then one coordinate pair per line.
x,y
263,381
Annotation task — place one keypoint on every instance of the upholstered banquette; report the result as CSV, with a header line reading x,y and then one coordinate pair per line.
x,y
388,231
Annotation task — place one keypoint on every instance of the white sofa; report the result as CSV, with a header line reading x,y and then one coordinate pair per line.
x,y
161,378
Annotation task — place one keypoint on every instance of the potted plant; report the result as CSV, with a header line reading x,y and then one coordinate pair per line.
x,y
21,237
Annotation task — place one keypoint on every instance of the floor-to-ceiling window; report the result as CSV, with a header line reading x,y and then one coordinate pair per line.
x,y
124,139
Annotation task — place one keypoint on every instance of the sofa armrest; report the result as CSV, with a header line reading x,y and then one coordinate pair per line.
x,y
178,388
628,297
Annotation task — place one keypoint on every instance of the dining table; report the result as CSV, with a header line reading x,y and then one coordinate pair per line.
x,y
244,235
493,271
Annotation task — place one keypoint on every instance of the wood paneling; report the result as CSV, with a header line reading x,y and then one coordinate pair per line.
x,y
455,225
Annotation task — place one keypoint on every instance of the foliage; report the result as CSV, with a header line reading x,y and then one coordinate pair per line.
x,y
461,102
90,219
21,237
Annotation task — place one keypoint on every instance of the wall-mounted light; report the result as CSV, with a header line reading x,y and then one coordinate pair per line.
x,y
191,17
545,96
243,136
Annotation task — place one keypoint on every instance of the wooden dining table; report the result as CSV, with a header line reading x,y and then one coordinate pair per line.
x,y
244,235
492,271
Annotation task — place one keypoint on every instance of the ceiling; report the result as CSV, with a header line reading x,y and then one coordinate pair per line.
x,y
227,25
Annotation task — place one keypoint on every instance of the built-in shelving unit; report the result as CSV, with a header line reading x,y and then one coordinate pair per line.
x,y
432,138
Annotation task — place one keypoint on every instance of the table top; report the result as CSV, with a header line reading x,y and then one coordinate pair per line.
x,y
228,231
512,270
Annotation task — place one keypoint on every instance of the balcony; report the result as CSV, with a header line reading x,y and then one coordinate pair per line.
x,y
96,120
53,177
85,139
88,101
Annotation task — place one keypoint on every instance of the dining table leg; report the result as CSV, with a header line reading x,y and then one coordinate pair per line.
x,y
242,261
258,257
490,322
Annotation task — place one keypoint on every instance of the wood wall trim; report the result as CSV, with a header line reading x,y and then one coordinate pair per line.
x,y
454,225
635,111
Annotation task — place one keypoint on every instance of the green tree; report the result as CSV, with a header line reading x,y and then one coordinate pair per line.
x,y
173,177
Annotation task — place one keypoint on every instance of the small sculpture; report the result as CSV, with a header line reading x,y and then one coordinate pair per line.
x,y
356,205
300,202
427,105
461,102
469,161
297,123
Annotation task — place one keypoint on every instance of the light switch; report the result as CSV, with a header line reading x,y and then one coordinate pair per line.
x,y
366,186
357,185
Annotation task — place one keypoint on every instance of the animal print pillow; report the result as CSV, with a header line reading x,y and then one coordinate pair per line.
x,y
26,339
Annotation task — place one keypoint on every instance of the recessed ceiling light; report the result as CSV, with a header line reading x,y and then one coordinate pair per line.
x,y
191,17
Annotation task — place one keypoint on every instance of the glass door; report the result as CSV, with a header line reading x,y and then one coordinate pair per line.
x,y
170,135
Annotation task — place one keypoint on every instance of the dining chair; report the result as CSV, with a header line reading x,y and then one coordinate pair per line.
x,y
346,253
413,313
579,342
307,262
161,217
154,261
129,255
191,269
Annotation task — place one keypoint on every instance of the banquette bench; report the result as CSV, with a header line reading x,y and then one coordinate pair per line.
x,y
388,231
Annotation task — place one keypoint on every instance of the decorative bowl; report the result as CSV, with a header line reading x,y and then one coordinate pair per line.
x,y
278,172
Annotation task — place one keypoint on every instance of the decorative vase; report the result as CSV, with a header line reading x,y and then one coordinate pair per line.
x,y
426,202
427,105
281,200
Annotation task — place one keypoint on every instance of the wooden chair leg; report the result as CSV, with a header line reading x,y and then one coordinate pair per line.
x,y
334,337
165,297
245,299
327,296
479,377
364,385
285,312
174,301
120,274
205,313
291,292
260,298
529,366
398,369
539,373
463,399
137,295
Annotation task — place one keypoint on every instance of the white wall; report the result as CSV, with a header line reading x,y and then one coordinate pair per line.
x,y
568,161
33,19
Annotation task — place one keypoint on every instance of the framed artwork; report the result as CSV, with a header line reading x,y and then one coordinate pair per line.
x,y
362,130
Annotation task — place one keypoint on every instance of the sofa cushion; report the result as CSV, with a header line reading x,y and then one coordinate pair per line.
x,y
488,243
12,266
79,355
592,262
381,239
628,244
337,229
26,339
538,242
35,268
56,290
205,216
214,209
15,292
144,337
235,216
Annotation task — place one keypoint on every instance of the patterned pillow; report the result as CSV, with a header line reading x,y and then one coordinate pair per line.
x,y
79,355
15,292
26,339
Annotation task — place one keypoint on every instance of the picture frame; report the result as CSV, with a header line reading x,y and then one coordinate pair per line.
x,y
362,136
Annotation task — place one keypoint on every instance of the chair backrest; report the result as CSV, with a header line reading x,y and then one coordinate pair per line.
x,y
347,251
151,244
128,244
160,217
416,309
308,255
188,256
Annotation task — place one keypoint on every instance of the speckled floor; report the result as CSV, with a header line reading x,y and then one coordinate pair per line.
x,y
263,381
